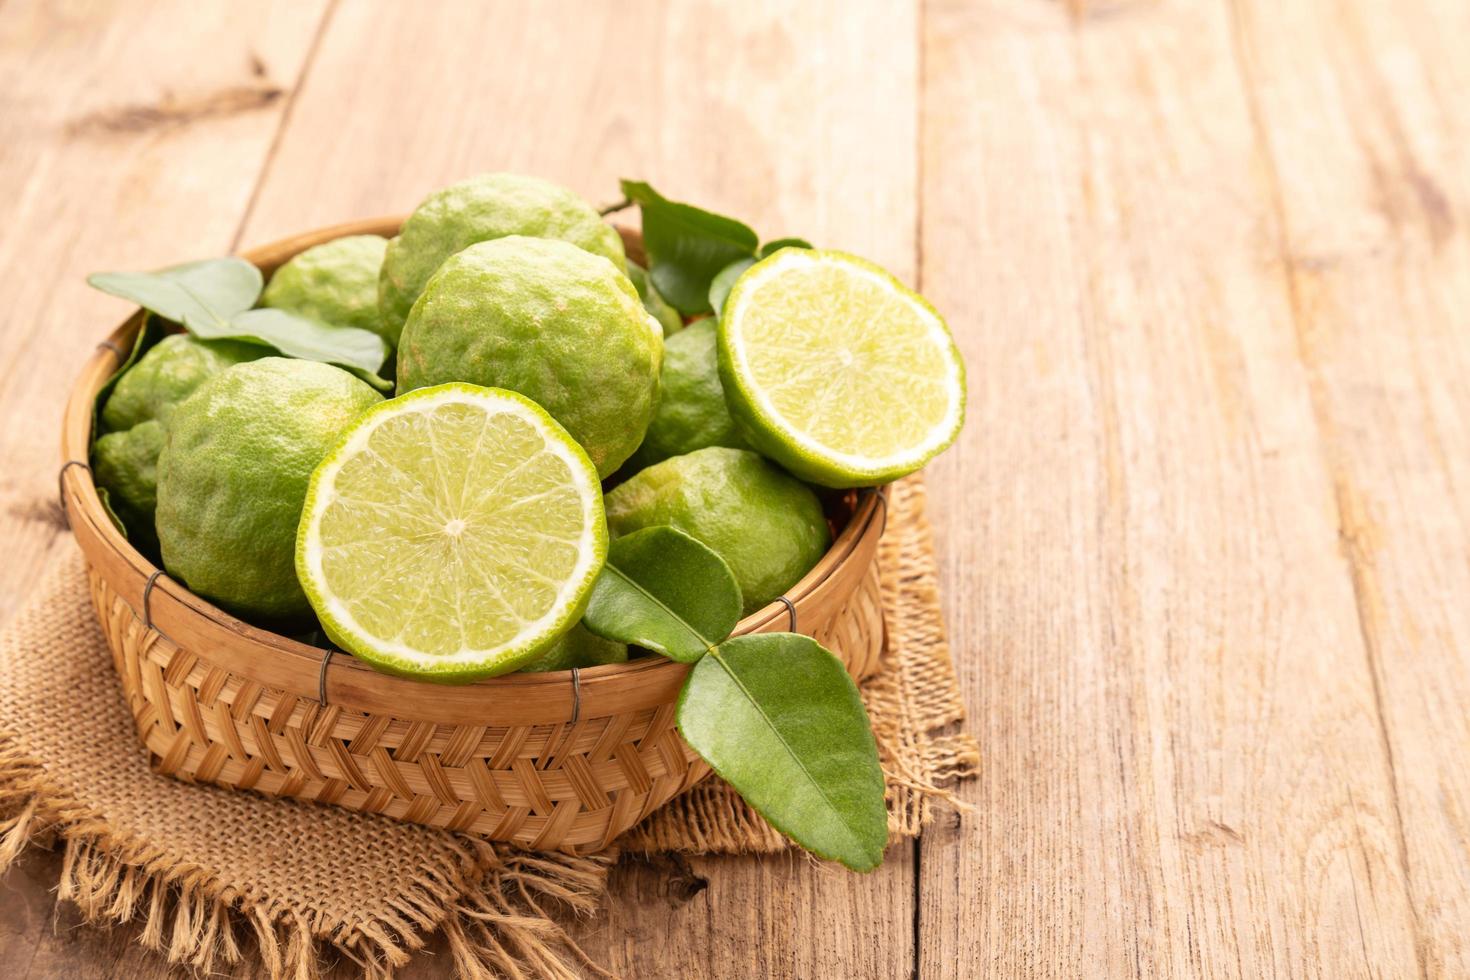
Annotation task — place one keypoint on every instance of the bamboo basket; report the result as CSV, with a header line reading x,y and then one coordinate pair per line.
x,y
565,760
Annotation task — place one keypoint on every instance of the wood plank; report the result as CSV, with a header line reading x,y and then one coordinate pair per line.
x,y
750,110
41,939
122,148
1363,110
133,135
797,117
776,916
1183,772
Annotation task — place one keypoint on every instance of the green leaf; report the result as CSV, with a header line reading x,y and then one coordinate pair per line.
x,y
298,336
687,246
213,300
724,282
205,293
777,717
664,591
106,499
770,248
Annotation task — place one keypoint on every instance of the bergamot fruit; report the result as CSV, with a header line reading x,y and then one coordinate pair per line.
x,y
557,324
167,374
335,282
125,464
476,210
452,533
691,410
768,526
125,456
837,371
233,473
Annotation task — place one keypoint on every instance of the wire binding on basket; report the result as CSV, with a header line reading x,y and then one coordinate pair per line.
x,y
147,598
882,494
109,345
576,694
61,488
321,678
790,610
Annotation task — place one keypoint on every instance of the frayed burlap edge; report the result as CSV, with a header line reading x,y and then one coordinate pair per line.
x,y
499,913
913,701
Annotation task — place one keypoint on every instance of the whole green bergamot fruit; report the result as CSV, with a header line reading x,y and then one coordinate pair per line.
x,y
335,282
476,210
125,455
125,464
232,478
691,410
766,524
167,374
546,319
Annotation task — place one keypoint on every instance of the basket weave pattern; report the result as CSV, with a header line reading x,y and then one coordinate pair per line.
x,y
572,786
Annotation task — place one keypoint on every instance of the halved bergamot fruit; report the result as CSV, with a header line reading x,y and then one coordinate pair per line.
x,y
453,533
836,370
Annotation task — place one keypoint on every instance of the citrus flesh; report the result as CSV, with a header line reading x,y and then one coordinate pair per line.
x,y
551,321
335,282
452,533
768,527
479,209
837,371
233,474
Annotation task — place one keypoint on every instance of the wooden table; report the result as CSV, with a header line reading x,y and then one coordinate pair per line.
x,y
1205,541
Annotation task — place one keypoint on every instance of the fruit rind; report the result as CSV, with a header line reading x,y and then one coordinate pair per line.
x,y
469,665
766,525
335,282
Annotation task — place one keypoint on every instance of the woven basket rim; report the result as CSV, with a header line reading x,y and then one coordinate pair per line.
x,y
153,595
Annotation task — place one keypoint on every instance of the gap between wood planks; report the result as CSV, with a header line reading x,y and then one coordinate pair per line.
x,y
920,72
285,121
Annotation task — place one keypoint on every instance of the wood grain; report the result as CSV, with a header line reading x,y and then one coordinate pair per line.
x,y
123,149
749,109
1369,163
1184,773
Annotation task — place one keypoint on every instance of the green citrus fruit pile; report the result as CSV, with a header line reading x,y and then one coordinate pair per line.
x,y
456,531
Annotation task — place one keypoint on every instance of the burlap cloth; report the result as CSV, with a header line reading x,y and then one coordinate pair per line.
x,y
215,875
